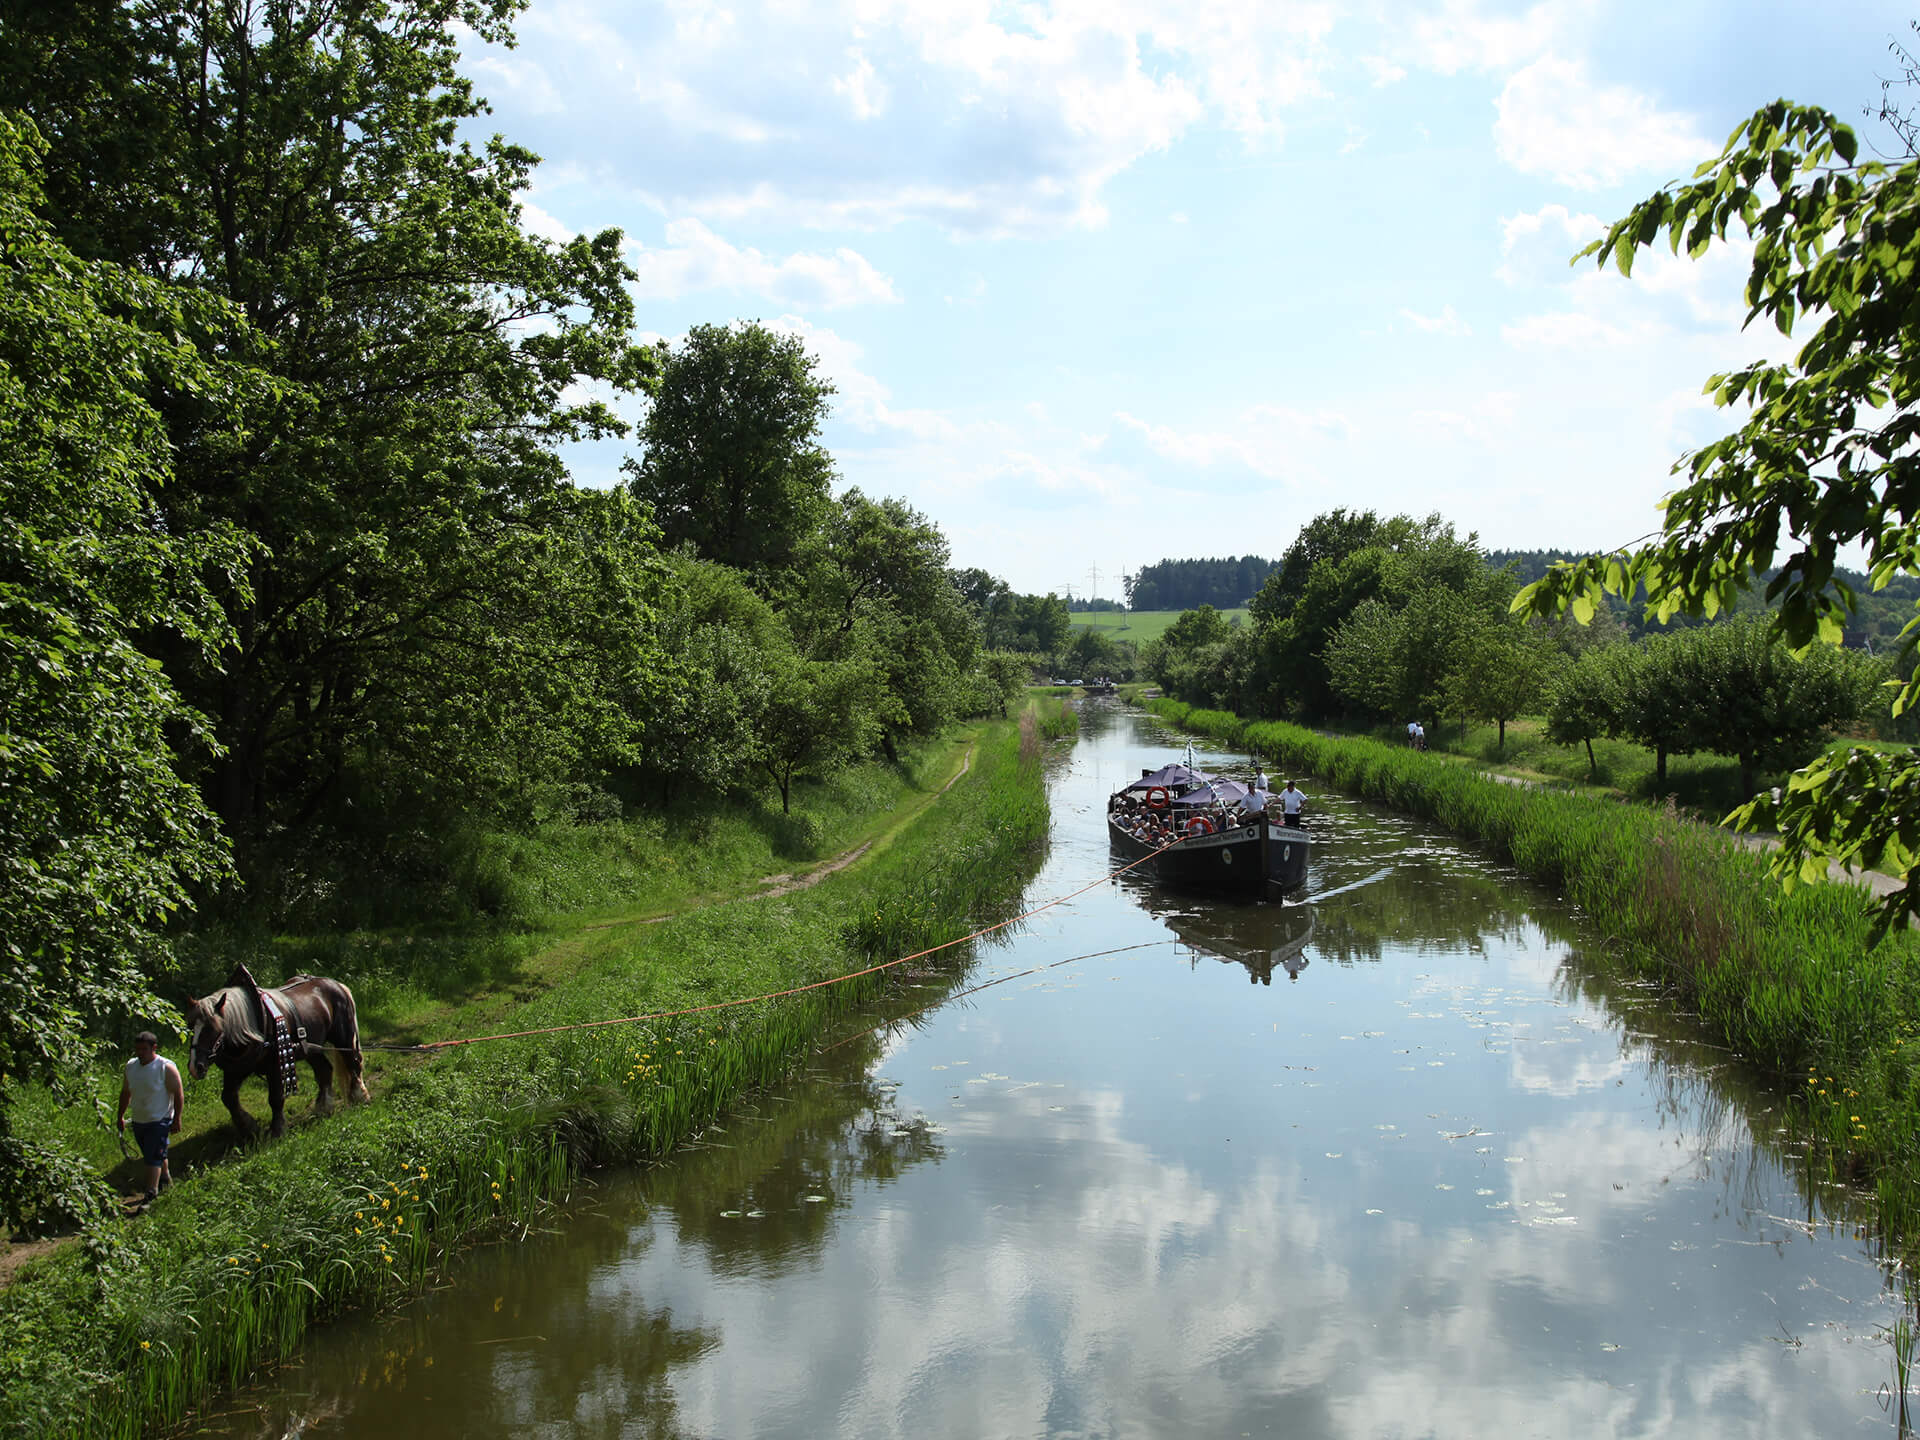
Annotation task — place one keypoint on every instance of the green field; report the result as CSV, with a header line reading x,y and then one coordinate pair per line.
x,y
1142,625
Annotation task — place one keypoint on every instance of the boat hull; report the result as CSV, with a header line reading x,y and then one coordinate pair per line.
x,y
1246,860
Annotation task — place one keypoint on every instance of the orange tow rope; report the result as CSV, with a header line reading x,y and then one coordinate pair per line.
x,y
775,994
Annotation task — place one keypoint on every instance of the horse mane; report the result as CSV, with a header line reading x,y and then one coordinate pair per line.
x,y
239,1021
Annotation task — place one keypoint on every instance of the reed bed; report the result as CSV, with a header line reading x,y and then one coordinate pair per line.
x,y
148,1317
1792,981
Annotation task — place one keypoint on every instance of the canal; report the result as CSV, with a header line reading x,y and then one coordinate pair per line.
x,y
1390,1160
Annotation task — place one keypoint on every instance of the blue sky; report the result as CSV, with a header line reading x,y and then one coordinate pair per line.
x,y
1107,283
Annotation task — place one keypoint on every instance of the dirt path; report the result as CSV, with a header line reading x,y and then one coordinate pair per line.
x,y
788,883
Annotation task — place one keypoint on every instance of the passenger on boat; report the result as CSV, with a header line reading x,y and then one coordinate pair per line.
x,y
1291,800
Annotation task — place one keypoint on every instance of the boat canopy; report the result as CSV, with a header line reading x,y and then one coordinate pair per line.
x,y
1225,792
1168,777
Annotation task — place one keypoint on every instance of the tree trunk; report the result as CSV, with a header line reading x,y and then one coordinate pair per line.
x,y
1660,764
1500,747
1593,767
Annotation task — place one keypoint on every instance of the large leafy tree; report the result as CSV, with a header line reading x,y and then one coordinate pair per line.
x,y
733,464
1404,564
1824,460
101,839
299,160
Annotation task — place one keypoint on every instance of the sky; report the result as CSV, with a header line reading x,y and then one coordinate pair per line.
x,y
1101,284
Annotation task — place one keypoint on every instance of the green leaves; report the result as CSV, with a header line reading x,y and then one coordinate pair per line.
x,y
101,837
1823,460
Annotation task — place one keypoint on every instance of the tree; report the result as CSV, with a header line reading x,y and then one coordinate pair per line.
x,y
1329,537
820,714
1767,707
1586,701
1001,679
1040,624
1825,459
299,160
1202,625
732,463
102,840
724,638
1500,672
1090,653
875,580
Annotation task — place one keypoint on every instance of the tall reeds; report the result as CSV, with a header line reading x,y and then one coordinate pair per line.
x,y
147,1318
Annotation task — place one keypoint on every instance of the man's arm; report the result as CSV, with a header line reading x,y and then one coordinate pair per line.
x,y
126,1099
178,1093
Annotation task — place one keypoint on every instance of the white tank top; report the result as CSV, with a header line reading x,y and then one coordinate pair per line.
x,y
148,1086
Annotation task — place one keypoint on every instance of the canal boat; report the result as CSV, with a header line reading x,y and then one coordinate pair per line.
x,y
1201,831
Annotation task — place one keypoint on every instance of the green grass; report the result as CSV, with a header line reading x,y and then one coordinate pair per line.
x,y
1790,980
1140,626
126,1331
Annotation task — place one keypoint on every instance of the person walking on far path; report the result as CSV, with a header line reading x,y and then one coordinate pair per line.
x,y
152,1088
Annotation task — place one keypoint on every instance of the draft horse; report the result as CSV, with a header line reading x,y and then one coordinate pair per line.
x,y
235,1028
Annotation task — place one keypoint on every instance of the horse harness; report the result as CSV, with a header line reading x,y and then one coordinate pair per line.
x,y
281,1032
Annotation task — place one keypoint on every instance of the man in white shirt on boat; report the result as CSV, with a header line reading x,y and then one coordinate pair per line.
x,y
1291,799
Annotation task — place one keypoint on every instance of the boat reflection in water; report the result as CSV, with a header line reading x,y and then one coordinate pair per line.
x,y
1263,938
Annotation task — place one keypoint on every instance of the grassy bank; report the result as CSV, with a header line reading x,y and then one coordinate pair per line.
x,y
1788,980
129,1329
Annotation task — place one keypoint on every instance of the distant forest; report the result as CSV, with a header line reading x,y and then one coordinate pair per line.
x,y
1225,584
1876,624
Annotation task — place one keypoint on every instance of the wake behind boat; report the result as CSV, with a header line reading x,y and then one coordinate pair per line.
x,y
1206,832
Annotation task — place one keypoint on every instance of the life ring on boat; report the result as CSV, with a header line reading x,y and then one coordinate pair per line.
x,y
1166,797
1199,825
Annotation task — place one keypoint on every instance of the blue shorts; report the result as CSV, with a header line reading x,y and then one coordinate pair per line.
x,y
151,1137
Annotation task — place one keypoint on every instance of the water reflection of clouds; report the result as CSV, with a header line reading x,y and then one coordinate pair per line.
x,y
1088,1286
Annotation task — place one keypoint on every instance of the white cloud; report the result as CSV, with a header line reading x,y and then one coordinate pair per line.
x,y
541,225
996,119
695,258
1382,71
1536,247
865,92
1555,121
1445,323
1266,440
860,398
1562,329
1462,35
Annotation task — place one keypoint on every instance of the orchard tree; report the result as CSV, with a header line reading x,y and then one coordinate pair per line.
x,y
1501,671
1826,458
1586,700
1767,707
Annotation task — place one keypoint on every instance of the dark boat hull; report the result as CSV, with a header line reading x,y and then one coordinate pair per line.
x,y
1245,860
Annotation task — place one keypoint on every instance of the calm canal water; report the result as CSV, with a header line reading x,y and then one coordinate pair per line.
x,y
1386,1162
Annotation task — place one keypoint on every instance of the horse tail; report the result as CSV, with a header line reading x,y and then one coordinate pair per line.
x,y
345,1049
